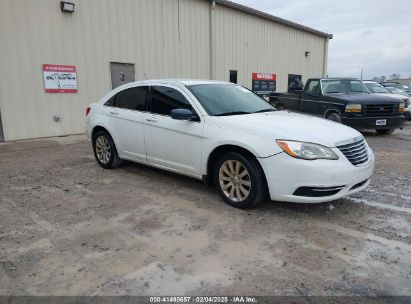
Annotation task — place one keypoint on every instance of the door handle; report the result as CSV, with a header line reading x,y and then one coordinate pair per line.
x,y
151,120
113,113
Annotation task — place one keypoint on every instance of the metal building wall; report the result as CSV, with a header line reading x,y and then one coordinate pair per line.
x,y
250,44
158,37
163,38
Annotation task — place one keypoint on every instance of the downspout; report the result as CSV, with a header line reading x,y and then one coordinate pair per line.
x,y
1,124
212,41
325,59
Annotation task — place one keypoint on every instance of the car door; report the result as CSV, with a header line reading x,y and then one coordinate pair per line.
x,y
294,91
175,144
291,100
127,123
311,100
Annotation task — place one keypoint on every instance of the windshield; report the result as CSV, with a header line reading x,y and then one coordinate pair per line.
x,y
228,99
395,90
376,88
343,86
396,85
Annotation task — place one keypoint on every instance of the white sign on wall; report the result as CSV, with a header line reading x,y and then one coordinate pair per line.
x,y
59,78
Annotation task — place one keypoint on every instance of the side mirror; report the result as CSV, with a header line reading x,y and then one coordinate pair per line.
x,y
183,114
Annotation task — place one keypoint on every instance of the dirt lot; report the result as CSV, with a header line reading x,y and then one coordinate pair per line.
x,y
68,227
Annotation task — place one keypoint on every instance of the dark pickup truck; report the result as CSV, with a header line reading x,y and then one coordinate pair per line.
x,y
344,100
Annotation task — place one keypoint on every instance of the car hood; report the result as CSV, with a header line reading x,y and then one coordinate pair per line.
x,y
287,125
364,98
397,96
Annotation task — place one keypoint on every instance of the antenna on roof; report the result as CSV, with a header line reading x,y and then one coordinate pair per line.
x,y
145,75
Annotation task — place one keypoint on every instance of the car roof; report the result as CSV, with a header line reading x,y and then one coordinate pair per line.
x,y
339,78
185,82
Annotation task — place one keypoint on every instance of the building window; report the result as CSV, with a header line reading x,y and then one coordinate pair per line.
x,y
233,76
294,82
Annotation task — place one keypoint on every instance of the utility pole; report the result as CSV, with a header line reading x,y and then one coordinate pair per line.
x,y
362,71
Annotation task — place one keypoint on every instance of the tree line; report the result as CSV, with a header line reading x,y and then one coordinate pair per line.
x,y
393,76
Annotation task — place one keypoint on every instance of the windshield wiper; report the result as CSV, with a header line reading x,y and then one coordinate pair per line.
x,y
265,110
232,113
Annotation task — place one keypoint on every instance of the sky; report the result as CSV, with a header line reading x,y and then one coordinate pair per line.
x,y
373,35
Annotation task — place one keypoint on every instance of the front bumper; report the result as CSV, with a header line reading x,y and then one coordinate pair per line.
x,y
364,122
286,174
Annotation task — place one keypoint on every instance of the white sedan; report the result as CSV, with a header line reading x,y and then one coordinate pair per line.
x,y
226,135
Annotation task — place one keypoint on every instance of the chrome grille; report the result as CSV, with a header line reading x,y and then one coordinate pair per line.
x,y
355,152
381,109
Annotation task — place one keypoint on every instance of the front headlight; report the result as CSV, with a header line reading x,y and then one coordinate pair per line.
x,y
353,108
305,150
402,107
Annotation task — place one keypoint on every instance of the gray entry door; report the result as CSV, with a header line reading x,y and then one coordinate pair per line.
x,y
121,73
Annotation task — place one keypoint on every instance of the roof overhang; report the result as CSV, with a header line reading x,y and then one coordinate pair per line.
x,y
269,17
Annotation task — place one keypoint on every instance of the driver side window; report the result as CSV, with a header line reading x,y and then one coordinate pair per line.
x,y
313,88
165,99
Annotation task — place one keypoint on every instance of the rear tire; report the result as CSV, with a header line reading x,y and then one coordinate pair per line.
x,y
240,180
385,131
105,150
334,116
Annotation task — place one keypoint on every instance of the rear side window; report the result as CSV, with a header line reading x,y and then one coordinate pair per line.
x,y
165,99
132,99
110,102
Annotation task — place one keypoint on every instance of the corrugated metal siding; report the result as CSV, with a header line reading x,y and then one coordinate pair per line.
x,y
143,32
163,38
251,44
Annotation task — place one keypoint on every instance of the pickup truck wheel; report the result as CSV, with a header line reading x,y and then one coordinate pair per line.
x,y
334,117
385,131
240,180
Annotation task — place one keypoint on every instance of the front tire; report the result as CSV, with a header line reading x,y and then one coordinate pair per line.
x,y
105,150
333,116
385,131
240,180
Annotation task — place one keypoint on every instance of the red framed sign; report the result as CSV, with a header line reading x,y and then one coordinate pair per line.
x,y
264,76
59,78
264,83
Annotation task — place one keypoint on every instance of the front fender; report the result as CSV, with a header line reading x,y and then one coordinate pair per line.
x,y
215,137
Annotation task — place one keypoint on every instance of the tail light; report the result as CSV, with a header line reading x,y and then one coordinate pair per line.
x,y
88,109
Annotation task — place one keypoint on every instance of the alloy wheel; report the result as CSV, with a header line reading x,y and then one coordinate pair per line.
x,y
234,180
103,149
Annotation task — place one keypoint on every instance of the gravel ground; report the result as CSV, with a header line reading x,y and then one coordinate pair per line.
x,y
68,227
